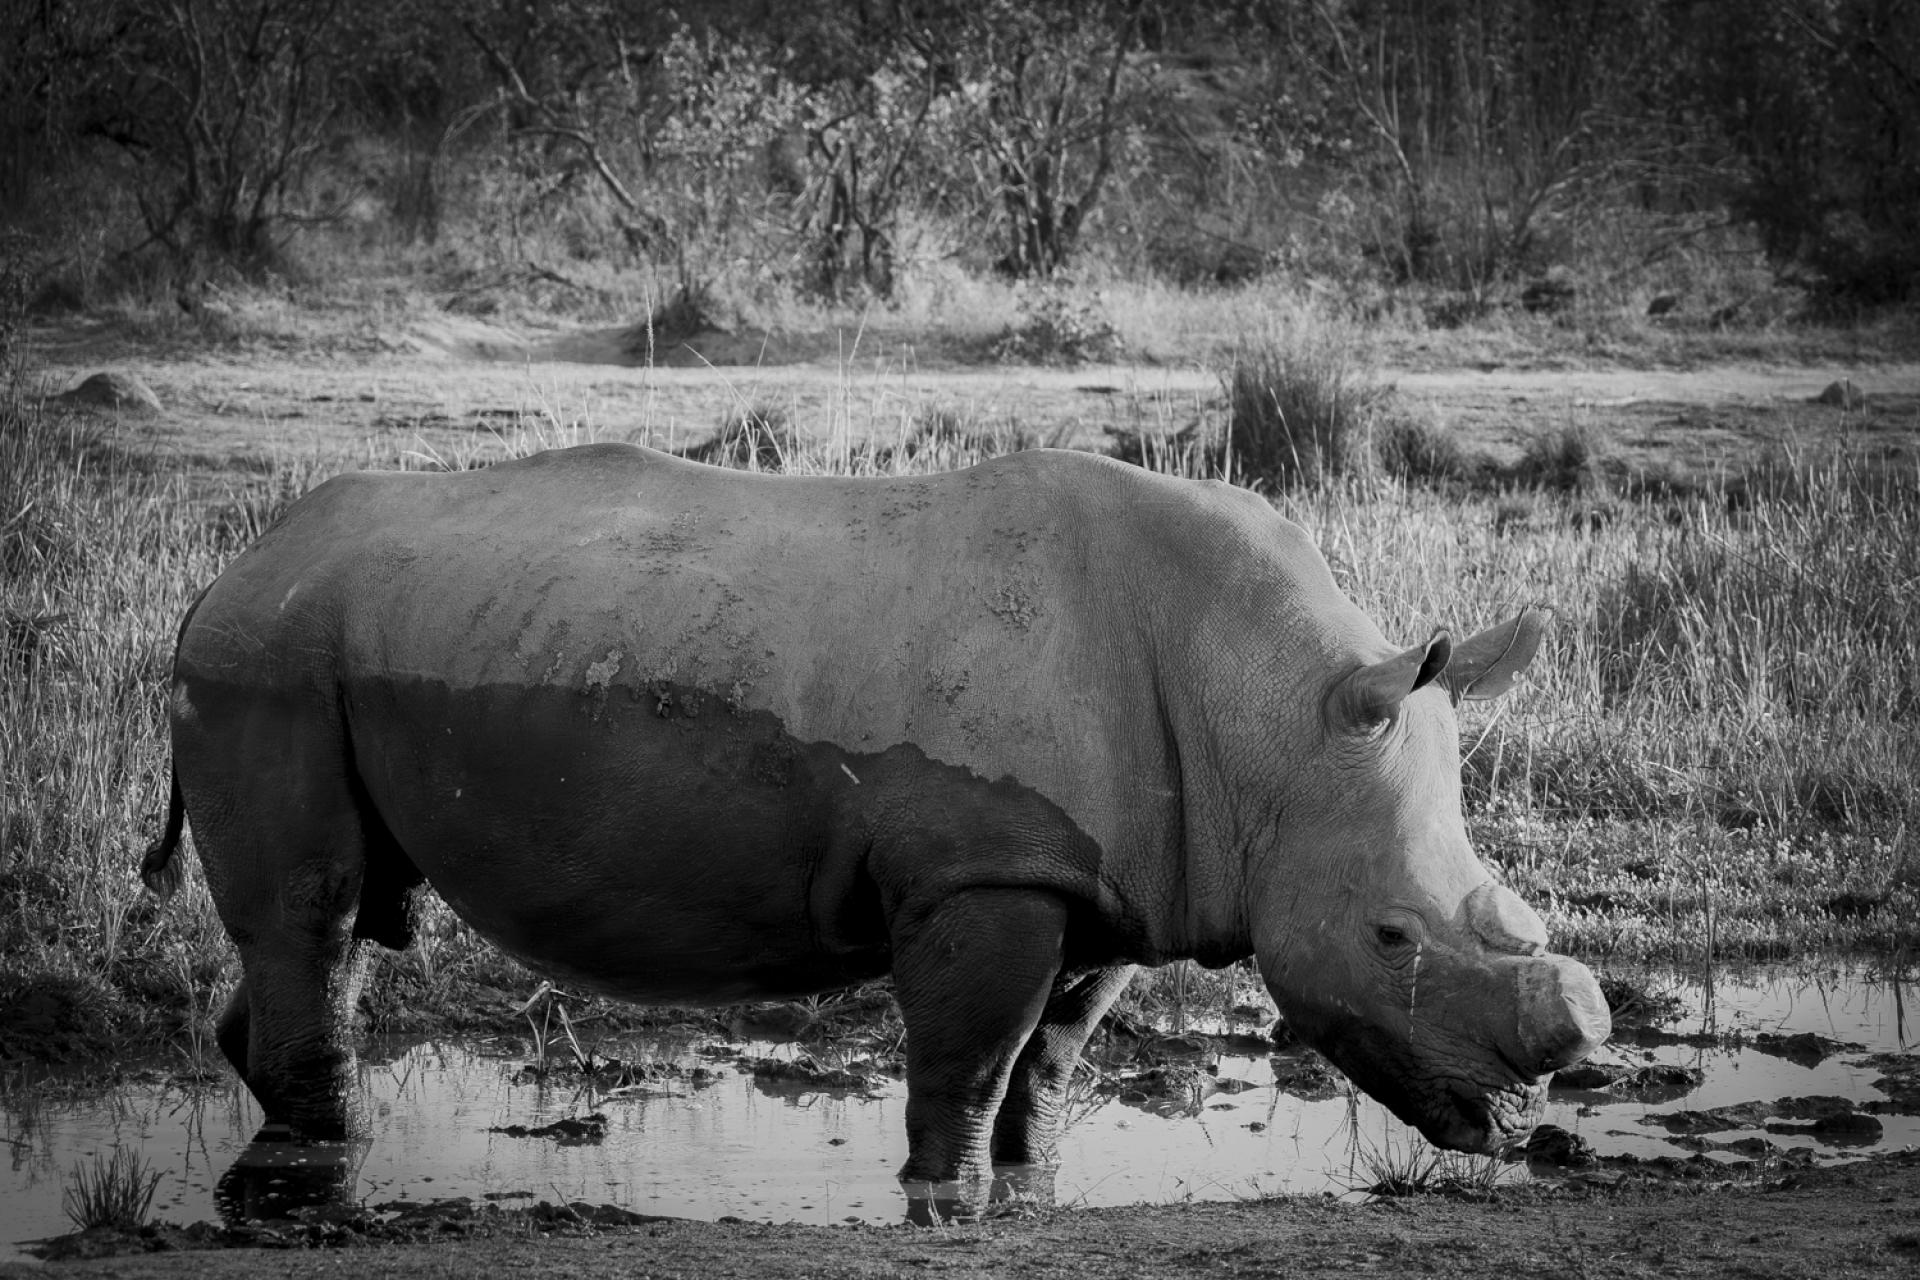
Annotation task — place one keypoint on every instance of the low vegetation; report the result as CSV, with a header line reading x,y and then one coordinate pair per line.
x,y
110,1191
1388,1170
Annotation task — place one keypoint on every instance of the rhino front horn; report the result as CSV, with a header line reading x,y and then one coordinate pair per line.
x,y
1563,1015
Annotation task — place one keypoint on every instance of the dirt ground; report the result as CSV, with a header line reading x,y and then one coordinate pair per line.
x,y
228,409
1860,1220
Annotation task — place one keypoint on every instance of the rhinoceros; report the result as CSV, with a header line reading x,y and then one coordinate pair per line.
x,y
682,734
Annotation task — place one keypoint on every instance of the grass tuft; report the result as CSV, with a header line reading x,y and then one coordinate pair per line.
x,y
113,1192
1298,412
756,438
1568,459
1417,450
1386,1172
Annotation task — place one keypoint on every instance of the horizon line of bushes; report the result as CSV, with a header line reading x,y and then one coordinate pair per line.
x,y
1469,146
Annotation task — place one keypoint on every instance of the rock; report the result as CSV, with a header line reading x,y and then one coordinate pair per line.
x,y
1659,1080
1851,1129
567,1132
1597,1071
808,1073
1806,1049
1842,395
1585,1075
1901,1084
119,391
1305,1074
1562,1148
581,1213
1746,1115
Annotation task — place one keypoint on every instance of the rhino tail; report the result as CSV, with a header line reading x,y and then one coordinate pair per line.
x,y
159,869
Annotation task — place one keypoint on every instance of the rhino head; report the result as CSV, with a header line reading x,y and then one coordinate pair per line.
x,y
1383,938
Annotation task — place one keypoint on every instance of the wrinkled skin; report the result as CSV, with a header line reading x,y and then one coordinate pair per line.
x,y
684,735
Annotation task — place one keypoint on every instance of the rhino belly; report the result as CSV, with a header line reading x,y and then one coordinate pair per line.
x,y
654,844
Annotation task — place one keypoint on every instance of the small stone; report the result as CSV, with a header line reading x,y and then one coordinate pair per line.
x,y
1842,395
1552,1145
121,391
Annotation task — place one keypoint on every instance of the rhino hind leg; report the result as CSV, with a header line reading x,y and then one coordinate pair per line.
x,y
973,976
1027,1130
283,833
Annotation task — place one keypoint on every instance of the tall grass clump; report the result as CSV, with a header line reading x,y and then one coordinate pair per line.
x,y
1299,412
1569,458
99,553
114,1192
1416,450
752,438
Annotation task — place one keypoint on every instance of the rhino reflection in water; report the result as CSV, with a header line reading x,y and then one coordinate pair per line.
x,y
686,735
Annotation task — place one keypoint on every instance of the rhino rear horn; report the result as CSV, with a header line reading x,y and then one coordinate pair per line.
x,y
1488,664
1375,691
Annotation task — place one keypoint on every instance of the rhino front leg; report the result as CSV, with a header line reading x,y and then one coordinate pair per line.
x,y
1028,1128
972,976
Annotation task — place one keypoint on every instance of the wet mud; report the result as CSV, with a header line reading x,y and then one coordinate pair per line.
x,y
798,1117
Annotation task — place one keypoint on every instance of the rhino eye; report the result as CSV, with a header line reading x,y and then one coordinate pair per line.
x,y
1391,936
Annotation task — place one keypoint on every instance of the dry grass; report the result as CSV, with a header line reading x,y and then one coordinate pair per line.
x,y
1715,753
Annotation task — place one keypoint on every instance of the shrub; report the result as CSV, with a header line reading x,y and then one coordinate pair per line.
x,y
1057,327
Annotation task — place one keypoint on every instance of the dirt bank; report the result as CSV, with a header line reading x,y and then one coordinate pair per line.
x,y
1861,1220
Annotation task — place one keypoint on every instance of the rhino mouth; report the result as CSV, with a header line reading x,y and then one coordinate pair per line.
x,y
1487,1122
1453,1111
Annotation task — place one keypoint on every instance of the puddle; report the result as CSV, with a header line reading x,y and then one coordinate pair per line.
x,y
699,1134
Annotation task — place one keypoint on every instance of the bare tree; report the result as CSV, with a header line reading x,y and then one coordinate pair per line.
x,y
225,102
1485,116
1048,92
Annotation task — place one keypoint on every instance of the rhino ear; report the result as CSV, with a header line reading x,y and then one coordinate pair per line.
x,y
1375,692
1490,663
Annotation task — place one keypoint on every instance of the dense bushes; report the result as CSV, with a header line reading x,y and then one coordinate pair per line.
x,y
1463,147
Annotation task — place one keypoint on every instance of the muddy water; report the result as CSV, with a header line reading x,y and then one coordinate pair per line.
x,y
710,1138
